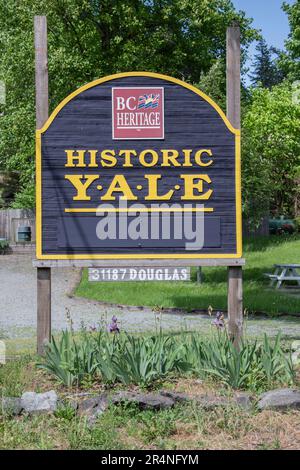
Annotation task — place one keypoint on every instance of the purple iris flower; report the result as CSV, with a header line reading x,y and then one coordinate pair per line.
x,y
219,320
113,326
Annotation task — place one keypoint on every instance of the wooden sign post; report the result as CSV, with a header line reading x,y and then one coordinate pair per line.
x,y
129,167
41,87
233,80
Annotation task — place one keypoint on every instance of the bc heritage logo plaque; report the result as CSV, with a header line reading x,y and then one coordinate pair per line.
x,y
138,166
138,113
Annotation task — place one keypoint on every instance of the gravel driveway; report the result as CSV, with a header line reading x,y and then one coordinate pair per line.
x,y
18,306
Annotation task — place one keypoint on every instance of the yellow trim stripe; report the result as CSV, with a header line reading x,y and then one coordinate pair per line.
x,y
39,133
144,209
152,256
238,194
38,190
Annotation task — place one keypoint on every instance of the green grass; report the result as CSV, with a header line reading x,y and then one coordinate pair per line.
x,y
186,426
261,254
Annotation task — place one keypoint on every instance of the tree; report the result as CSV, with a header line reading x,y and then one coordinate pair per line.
x,y
290,61
266,70
271,152
93,38
213,83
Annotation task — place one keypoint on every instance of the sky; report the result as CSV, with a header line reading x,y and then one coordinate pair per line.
x,y
268,16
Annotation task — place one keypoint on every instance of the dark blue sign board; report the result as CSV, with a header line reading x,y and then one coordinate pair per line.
x,y
138,165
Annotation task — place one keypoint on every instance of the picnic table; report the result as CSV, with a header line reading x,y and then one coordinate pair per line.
x,y
284,272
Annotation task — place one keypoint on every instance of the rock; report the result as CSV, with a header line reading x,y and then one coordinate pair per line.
x,y
295,346
81,394
210,402
176,396
67,403
11,405
144,401
280,399
35,403
244,400
93,405
92,408
296,358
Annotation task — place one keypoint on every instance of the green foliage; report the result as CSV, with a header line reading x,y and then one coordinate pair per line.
x,y
297,221
158,426
213,83
290,62
65,412
274,362
69,362
123,358
9,184
143,360
25,197
93,38
253,366
186,425
266,70
271,152
14,377
4,244
220,359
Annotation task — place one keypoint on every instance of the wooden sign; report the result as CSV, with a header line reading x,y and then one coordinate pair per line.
x,y
139,274
138,165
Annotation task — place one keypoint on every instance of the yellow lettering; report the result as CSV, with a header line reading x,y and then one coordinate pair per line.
x,y
93,154
120,185
195,182
108,158
152,191
198,157
81,187
154,158
127,154
79,157
187,157
170,157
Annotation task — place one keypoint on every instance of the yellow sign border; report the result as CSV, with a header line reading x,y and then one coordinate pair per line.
x,y
236,132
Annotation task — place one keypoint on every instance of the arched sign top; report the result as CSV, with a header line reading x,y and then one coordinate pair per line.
x,y
138,165
108,78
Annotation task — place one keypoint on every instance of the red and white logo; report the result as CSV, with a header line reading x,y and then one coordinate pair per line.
x,y
138,113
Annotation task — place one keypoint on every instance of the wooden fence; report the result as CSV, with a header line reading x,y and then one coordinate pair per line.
x,y
11,219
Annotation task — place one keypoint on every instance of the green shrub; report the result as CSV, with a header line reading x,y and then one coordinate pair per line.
x,y
127,359
115,358
220,359
3,246
253,366
68,361
65,412
297,221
